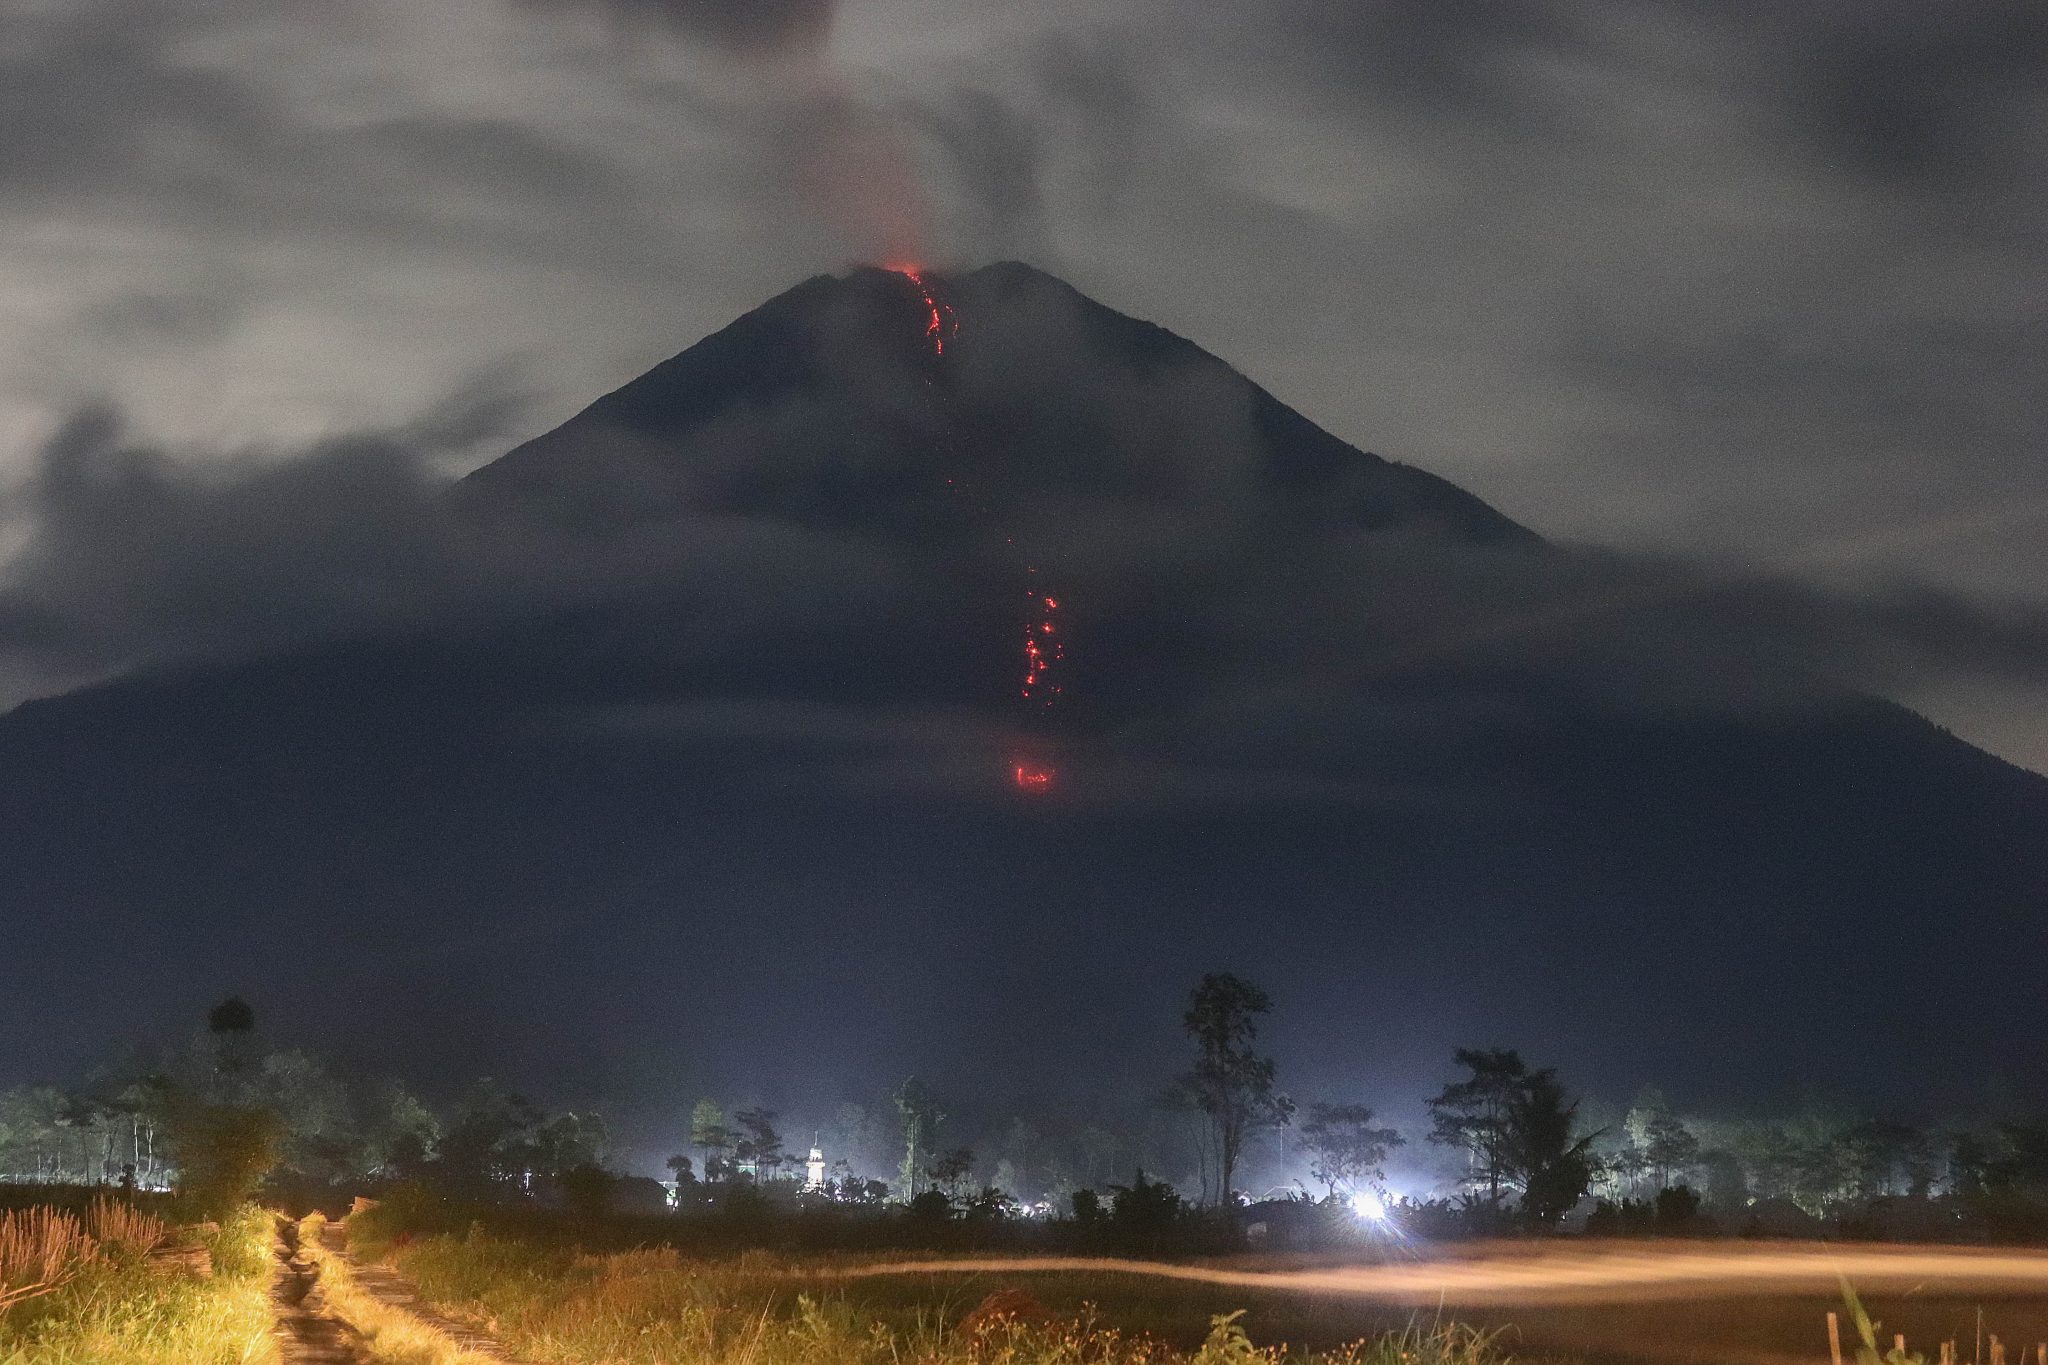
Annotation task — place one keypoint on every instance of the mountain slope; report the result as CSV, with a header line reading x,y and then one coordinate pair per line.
x,y
853,346
731,774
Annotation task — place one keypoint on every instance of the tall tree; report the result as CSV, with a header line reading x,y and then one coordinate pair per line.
x,y
1230,1084
404,1135
1889,1158
231,1028
1473,1115
950,1171
490,1148
1344,1147
1546,1158
1663,1146
709,1134
231,1015
759,1144
1669,1147
1517,1128
570,1140
921,1116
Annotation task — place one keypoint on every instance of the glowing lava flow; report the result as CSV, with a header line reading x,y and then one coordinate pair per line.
x,y
939,323
1043,648
1044,645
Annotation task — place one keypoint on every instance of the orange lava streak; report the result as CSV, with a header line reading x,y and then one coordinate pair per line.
x,y
1044,644
1044,647
939,325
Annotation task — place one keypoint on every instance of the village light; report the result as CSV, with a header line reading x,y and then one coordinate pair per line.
x,y
1369,1206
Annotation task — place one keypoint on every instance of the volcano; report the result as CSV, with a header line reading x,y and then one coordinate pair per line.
x,y
736,775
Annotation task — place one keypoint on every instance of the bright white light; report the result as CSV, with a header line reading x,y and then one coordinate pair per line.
x,y
1369,1206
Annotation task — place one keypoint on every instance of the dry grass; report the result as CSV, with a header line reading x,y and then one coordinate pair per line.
x,y
123,1230
44,1249
99,1299
657,1307
40,1251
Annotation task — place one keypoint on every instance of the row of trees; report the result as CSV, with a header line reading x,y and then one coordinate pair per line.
x,y
222,1111
1516,1126
1525,1149
1822,1161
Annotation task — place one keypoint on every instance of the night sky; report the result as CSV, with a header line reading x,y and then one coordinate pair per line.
x,y
1752,295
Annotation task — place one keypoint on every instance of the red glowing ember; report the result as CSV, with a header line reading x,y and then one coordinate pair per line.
x,y
1043,651
939,324
1044,643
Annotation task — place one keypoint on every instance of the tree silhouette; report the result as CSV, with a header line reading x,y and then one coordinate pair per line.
x,y
949,1172
232,1025
1230,1084
1143,1212
686,1181
761,1144
1472,1115
231,1015
709,1134
921,1116
1516,1127
1669,1147
1343,1146
1549,1162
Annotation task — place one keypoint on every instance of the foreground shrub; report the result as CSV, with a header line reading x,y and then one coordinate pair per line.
x,y
224,1151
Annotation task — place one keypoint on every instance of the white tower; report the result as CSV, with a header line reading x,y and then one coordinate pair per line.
x,y
814,1170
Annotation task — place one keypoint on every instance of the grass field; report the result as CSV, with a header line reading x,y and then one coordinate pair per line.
x,y
560,1306
1716,1328
105,1301
557,1306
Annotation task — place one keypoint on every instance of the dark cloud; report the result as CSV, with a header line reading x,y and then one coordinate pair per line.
x,y
141,556
1948,97
1470,59
1097,110
191,317
85,93
750,25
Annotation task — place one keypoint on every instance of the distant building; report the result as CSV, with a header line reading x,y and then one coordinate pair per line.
x,y
814,1170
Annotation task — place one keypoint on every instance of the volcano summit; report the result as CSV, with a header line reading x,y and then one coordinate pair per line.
x,y
716,715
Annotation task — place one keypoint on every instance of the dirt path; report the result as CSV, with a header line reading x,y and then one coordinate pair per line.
x,y
305,1334
393,1290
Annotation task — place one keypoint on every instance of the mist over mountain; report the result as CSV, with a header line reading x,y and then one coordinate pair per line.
x,y
700,717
